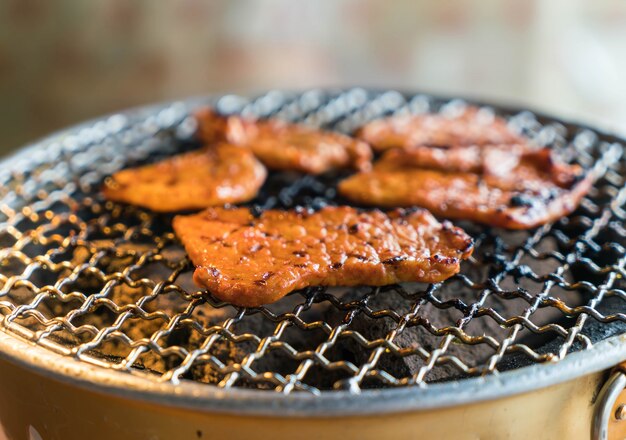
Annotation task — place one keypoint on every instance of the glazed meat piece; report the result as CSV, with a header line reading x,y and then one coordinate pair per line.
x,y
211,125
467,127
249,261
285,146
485,159
195,180
537,190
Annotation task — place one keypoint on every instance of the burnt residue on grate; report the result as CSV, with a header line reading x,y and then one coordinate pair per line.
x,y
110,285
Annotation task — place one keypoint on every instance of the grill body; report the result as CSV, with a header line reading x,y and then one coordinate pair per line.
x,y
102,333
32,402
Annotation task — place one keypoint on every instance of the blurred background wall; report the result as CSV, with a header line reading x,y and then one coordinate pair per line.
x,y
65,61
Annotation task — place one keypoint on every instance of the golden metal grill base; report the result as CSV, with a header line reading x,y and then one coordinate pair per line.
x,y
59,411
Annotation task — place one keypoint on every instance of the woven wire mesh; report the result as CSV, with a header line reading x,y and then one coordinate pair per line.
x,y
109,284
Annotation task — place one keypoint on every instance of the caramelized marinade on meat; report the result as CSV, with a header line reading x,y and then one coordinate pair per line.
x,y
287,146
211,125
485,159
249,261
195,180
537,190
469,126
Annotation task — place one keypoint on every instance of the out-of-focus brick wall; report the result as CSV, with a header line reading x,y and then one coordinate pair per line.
x,y
69,60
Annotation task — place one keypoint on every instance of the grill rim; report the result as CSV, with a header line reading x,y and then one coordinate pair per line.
x,y
237,401
204,397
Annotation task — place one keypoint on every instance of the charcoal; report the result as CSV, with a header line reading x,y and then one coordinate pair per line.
x,y
593,329
416,335
274,360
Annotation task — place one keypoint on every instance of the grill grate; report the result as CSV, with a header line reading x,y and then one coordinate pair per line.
x,y
108,284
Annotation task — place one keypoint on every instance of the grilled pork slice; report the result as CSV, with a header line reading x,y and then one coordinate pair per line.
x,y
484,159
195,180
469,127
286,146
537,190
249,261
211,125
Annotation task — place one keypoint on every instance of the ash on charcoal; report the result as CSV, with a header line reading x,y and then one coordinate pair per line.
x,y
426,330
248,331
595,330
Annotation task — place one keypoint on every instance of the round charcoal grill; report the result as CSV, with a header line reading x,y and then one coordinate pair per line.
x,y
103,334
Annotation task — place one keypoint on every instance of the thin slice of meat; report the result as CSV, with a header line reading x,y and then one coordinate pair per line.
x,y
469,127
286,146
211,125
484,159
208,177
250,261
539,189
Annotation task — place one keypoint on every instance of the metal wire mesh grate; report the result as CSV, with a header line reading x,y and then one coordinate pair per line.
x,y
109,284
